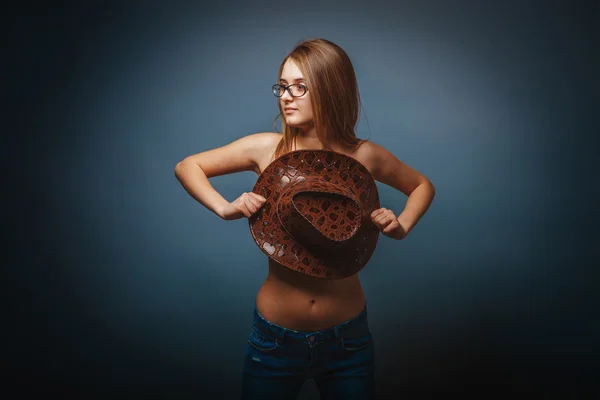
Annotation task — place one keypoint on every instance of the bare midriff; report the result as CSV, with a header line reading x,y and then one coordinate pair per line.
x,y
305,303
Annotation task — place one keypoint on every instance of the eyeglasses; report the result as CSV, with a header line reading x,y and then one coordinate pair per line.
x,y
295,90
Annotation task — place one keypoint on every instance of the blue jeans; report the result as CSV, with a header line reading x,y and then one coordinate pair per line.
x,y
278,360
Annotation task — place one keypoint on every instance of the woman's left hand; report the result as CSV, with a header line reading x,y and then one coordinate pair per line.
x,y
388,224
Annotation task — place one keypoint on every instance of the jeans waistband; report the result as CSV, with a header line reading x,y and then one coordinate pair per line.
x,y
356,324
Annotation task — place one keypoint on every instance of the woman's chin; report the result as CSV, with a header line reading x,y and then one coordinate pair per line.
x,y
294,123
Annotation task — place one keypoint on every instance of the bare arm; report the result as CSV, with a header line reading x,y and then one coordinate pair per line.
x,y
420,191
194,171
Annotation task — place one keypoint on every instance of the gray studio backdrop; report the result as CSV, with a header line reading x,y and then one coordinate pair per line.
x,y
149,289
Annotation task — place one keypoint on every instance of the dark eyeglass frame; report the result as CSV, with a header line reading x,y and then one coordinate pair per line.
x,y
275,89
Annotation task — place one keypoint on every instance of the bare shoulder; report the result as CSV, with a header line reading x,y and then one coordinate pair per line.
x,y
262,144
372,156
265,153
387,168
247,153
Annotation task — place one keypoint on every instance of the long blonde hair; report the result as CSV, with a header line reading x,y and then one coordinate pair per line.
x,y
331,80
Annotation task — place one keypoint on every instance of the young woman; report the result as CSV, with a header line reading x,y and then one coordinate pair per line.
x,y
308,327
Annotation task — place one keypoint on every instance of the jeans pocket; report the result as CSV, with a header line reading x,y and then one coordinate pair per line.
x,y
357,343
262,342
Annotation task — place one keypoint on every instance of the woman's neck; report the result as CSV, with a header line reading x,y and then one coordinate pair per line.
x,y
308,133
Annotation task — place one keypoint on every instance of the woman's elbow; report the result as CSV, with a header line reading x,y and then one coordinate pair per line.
x,y
431,187
181,167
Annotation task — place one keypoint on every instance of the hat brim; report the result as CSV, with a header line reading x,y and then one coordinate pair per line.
x,y
334,167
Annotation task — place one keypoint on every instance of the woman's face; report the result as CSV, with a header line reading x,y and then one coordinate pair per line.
x,y
297,111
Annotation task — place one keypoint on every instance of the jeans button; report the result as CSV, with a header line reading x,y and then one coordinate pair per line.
x,y
312,338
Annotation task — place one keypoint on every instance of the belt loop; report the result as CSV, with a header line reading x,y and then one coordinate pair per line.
x,y
281,333
336,331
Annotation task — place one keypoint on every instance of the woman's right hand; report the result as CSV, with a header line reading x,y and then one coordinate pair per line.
x,y
244,206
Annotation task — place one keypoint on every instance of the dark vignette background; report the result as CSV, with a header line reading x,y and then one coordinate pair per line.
x,y
117,282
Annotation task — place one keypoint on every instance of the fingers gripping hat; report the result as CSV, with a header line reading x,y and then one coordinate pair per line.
x,y
316,218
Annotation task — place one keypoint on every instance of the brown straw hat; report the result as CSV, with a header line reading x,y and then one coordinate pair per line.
x,y
316,218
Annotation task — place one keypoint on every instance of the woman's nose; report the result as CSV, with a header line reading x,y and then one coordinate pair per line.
x,y
286,95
